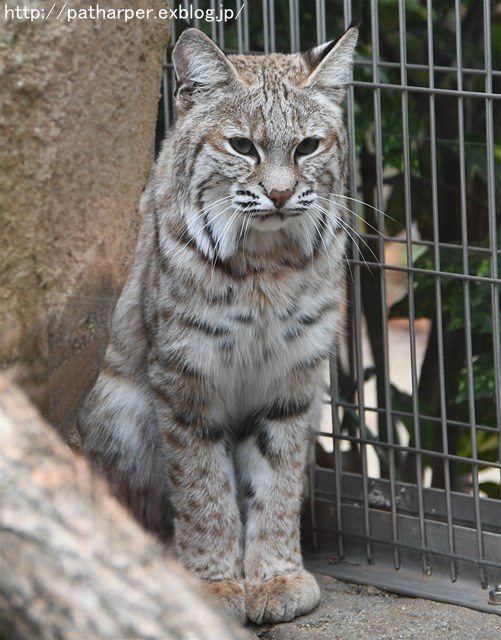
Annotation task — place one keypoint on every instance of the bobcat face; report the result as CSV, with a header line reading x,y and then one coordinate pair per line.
x,y
271,183
278,179
261,143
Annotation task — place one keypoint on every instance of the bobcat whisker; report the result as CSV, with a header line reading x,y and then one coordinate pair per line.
x,y
202,212
244,231
351,232
344,250
318,224
222,236
307,233
365,204
226,230
337,240
209,222
338,220
246,226
359,217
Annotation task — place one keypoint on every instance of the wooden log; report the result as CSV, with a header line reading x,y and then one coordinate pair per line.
x,y
73,563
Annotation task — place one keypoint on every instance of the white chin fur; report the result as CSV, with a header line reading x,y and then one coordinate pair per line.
x,y
270,223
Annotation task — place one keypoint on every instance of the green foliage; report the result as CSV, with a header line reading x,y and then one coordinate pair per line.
x,y
466,307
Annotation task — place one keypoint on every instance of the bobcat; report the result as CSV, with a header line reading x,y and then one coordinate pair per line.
x,y
209,395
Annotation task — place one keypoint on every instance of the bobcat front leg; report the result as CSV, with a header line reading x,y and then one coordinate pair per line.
x,y
273,463
207,524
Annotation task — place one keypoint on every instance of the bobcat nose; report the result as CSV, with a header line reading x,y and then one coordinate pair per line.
x,y
279,198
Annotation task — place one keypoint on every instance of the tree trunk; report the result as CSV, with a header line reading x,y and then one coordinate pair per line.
x,y
73,563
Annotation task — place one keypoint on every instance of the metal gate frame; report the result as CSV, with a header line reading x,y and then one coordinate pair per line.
x,y
355,539
401,536
404,537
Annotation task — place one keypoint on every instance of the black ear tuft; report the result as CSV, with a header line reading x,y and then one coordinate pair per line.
x,y
330,64
356,22
182,25
316,54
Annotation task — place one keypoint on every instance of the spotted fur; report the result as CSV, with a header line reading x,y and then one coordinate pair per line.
x,y
209,394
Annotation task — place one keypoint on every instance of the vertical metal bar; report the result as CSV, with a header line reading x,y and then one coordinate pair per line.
x,y
273,44
266,27
213,27
292,29
239,29
333,364
320,19
378,146
466,295
359,375
427,568
410,282
347,14
338,459
439,322
312,507
246,27
294,26
357,321
195,7
166,93
169,81
491,195
408,209
173,111
221,34
298,24
173,34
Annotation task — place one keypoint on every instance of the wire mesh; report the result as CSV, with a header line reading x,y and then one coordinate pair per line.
x,y
405,491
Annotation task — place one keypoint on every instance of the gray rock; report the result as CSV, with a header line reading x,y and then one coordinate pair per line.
x,y
77,123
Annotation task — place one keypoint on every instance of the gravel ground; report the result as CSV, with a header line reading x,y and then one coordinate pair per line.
x,y
352,612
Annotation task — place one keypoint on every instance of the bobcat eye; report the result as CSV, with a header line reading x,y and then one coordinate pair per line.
x,y
243,146
307,146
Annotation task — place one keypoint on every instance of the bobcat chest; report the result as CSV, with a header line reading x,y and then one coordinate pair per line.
x,y
272,332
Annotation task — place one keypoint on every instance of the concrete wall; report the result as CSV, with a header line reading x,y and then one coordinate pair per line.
x,y
78,105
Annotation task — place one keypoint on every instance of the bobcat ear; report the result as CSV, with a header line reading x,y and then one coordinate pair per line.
x,y
331,64
199,65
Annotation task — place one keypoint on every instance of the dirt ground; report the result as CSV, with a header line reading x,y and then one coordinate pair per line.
x,y
352,612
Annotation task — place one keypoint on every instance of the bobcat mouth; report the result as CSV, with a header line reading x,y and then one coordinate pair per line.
x,y
272,220
251,207
275,213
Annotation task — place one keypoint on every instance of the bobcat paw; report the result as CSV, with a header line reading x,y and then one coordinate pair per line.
x,y
231,596
282,598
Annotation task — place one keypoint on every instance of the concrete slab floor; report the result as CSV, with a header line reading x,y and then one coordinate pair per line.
x,y
352,612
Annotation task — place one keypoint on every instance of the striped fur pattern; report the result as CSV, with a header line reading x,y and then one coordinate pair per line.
x,y
209,394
